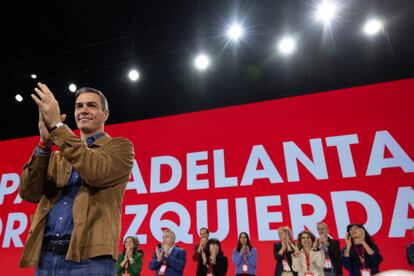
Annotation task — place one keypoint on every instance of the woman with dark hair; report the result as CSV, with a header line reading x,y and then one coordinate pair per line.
x,y
307,258
244,256
361,255
130,260
283,252
214,261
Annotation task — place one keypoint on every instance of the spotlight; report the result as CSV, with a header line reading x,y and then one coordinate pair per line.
x,y
235,32
18,98
133,75
72,87
201,62
326,11
286,45
372,26
33,76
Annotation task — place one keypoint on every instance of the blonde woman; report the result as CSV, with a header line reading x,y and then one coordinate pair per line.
x,y
283,252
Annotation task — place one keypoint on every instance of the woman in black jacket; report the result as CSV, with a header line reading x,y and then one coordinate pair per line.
x,y
214,261
361,254
283,252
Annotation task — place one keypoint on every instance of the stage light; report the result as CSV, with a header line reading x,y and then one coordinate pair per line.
x,y
286,45
372,27
33,76
235,32
72,87
133,75
326,11
201,62
18,98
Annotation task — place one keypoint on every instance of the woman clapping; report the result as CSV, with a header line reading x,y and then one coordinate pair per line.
x,y
361,255
283,253
307,259
214,261
130,260
244,256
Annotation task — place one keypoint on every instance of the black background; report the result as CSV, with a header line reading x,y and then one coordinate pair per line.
x,y
95,43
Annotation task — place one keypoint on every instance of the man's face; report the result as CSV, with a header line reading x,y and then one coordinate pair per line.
x,y
89,115
322,230
203,233
168,238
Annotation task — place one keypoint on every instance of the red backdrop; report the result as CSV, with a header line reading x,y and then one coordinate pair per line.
x,y
338,156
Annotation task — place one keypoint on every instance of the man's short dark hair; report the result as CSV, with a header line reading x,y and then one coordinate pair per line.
x,y
205,228
104,101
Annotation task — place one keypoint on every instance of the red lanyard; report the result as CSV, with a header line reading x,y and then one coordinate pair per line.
x,y
307,260
211,267
361,255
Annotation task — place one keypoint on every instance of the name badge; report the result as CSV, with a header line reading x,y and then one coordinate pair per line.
x,y
365,272
245,268
328,263
210,274
309,274
162,270
286,266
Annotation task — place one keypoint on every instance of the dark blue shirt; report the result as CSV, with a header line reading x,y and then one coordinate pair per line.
x,y
59,222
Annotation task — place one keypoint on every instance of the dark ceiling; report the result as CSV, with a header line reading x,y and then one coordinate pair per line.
x,y
95,43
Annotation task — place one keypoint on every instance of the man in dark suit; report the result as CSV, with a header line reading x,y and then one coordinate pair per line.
x,y
168,259
332,251
200,247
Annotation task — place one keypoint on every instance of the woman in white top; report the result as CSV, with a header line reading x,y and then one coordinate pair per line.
x,y
307,259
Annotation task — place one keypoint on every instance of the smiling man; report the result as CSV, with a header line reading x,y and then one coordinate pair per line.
x,y
168,258
79,189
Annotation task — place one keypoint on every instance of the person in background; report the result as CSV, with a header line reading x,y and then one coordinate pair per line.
x,y
331,249
214,263
410,251
361,255
283,252
168,259
307,258
245,256
200,247
130,260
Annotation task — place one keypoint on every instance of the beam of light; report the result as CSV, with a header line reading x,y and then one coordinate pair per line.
x,y
133,75
235,32
372,26
286,45
18,98
326,11
72,87
201,62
